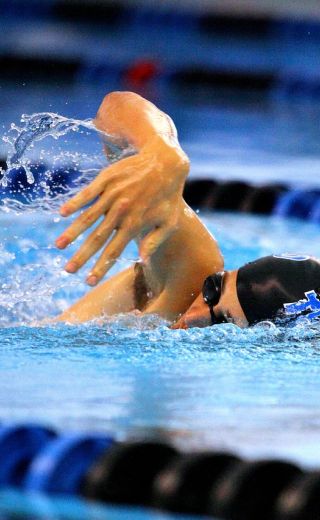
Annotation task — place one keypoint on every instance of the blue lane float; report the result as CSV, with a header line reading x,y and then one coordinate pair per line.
x,y
315,212
63,462
297,203
18,447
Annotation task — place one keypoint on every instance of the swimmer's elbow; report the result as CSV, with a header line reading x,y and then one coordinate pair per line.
x,y
172,154
119,99
184,162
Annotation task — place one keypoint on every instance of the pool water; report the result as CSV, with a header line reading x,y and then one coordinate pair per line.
x,y
33,506
254,391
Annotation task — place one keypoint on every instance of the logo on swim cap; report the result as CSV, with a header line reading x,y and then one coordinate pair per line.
x,y
296,257
311,303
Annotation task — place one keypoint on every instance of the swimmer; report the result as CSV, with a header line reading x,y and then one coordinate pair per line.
x,y
180,275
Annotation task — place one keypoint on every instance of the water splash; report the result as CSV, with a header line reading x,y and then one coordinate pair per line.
x,y
38,126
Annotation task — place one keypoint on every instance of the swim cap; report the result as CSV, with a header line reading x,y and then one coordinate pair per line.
x,y
288,282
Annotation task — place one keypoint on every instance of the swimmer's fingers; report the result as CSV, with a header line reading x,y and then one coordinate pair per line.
x,y
109,256
98,237
124,169
90,192
152,241
83,222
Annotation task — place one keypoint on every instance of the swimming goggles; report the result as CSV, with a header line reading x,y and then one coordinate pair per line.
x,y
211,292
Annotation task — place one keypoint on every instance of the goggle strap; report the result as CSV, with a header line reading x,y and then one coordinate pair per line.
x,y
213,318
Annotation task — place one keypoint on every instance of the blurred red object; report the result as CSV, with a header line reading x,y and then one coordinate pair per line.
x,y
140,73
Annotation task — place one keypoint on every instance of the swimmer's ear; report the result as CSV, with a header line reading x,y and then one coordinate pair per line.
x,y
152,241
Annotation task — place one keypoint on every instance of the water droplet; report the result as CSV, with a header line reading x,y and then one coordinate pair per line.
x,y
4,180
30,177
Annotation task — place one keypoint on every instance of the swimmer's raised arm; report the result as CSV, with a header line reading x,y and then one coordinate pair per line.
x,y
139,196
134,119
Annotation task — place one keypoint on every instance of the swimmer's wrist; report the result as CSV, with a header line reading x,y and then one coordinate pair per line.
x,y
166,149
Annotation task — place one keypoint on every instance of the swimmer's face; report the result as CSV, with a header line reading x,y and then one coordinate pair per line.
x,y
228,308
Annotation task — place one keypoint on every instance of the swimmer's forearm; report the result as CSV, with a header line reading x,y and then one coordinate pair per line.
x,y
130,117
133,118
138,122
115,296
140,195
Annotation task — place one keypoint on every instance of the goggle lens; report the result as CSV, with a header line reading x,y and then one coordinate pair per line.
x,y
211,292
212,289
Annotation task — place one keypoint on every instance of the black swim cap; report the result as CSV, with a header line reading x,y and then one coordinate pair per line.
x,y
266,285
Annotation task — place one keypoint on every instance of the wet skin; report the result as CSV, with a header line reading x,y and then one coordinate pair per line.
x,y
228,308
139,198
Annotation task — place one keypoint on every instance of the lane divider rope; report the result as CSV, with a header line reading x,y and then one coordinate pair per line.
x,y
154,473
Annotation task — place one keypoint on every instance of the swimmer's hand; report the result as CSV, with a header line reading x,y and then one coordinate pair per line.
x,y
138,197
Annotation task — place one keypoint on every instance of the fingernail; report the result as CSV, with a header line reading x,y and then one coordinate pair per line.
x,y
62,242
64,211
92,280
71,267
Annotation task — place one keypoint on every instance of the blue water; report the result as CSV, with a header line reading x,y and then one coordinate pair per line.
x,y
32,506
254,391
